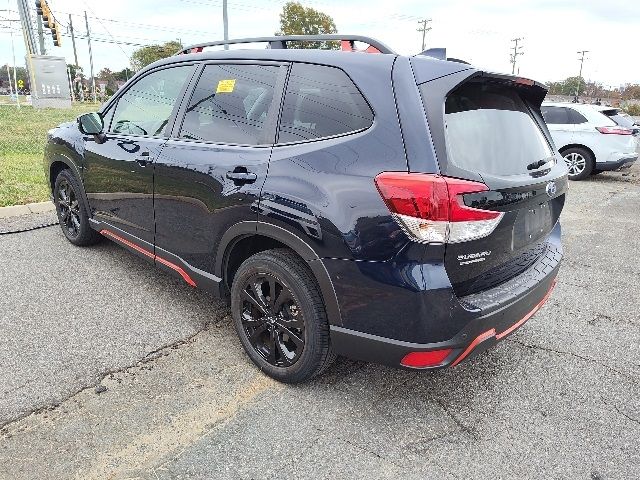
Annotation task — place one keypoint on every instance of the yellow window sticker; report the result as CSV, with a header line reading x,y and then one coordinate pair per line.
x,y
226,86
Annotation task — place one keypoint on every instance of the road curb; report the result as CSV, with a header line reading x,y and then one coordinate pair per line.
x,y
18,210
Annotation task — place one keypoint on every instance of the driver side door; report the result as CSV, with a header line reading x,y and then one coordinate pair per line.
x,y
118,173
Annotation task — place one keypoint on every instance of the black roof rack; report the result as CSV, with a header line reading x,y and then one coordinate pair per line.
x,y
280,42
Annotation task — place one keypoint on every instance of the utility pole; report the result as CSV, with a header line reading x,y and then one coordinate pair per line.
x,y
15,76
225,23
27,30
73,40
582,53
424,29
43,51
516,51
93,78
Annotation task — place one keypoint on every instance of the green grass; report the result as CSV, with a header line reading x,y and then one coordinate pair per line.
x,y
22,137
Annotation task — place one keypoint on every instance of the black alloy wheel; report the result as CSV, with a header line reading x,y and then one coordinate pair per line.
x,y
72,214
280,317
272,320
68,208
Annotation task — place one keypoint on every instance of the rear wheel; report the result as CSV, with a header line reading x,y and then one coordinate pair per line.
x,y
72,215
580,162
280,317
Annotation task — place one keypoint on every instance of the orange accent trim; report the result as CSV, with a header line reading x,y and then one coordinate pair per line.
x,y
528,315
175,267
137,248
479,339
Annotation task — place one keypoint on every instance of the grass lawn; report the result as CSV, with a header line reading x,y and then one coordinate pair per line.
x,y
22,137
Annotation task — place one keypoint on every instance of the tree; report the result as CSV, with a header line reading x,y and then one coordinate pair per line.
x,y
151,53
21,74
298,20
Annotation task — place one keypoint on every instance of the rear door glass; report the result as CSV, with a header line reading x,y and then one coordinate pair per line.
x,y
321,102
489,129
556,115
230,104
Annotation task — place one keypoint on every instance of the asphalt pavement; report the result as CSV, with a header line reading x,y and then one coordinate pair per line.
x,y
112,369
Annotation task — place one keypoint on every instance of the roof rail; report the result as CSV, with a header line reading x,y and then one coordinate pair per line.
x,y
280,42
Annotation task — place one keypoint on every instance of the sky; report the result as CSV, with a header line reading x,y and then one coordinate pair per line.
x,y
476,31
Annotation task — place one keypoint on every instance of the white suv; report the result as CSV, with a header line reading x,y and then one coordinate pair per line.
x,y
589,141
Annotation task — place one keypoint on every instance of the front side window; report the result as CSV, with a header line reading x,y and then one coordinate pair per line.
x,y
145,108
490,129
321,102
230,104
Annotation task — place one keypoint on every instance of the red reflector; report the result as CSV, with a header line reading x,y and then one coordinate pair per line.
x,y
430,197
425,359
614,130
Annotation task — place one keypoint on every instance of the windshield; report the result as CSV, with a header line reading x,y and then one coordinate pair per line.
x,y
489,129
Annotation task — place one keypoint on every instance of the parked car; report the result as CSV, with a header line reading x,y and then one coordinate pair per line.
x,y
392,209
589,141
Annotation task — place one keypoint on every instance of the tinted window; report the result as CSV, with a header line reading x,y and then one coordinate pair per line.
x,y
230,104
576,117
145,108
621,119
556,115
321,102
489,129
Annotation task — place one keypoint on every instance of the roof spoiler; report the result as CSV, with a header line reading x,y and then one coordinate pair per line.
x,y
441,54
347,42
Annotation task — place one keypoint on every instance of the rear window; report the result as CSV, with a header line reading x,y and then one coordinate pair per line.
x,y
489,129
321,102
620,118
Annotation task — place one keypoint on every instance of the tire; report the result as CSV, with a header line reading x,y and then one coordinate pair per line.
x,y
72,214
286,335
580,162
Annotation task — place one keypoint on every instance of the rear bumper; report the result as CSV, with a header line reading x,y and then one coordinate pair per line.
x,y
624,162
477,337
489,317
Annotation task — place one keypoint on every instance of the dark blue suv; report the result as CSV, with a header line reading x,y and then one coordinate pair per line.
x,y
393,209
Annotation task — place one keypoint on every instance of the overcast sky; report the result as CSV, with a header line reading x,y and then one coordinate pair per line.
x,y
476,31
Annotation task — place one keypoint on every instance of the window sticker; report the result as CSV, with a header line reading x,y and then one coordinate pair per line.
x,y
226,86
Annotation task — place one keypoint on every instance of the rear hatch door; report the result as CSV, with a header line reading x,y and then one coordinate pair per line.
x,y
494,134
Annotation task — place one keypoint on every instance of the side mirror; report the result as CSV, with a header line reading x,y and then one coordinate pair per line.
x,y
92,124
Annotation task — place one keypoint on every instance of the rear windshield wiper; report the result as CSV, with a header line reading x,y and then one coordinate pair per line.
x,y
538,164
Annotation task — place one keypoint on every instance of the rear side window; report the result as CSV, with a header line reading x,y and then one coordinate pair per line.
x,y
321,102
230,104
489,129
576,117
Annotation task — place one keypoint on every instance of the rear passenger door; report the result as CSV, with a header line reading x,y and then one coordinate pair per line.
x,y
209,174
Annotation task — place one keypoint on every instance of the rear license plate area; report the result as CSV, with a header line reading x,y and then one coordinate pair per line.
x,y
531,225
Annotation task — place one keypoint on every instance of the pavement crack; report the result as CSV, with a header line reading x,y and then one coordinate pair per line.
x,y
571,354
149,357
617,409
465,428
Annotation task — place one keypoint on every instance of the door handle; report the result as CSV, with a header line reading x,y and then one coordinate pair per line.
x,y
240,178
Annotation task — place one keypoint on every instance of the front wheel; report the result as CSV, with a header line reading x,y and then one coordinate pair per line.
x,y
72,214
580,162
280,317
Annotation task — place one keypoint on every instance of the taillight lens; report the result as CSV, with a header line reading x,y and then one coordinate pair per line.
x,y
615,130
429,208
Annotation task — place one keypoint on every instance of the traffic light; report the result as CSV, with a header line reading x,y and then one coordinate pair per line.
x,y
43,9
55,33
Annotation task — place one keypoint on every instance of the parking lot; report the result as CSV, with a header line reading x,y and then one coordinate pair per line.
x,y
111,369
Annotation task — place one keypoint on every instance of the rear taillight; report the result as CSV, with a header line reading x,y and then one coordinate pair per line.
x,y
430,209
615,130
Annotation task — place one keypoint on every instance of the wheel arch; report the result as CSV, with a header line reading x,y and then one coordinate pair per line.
x,y
577,145
247,238
60,163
